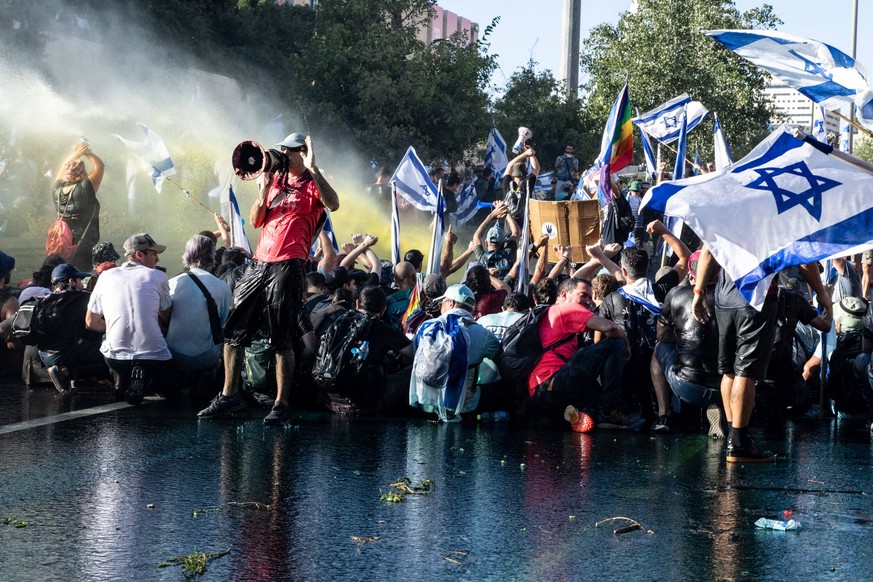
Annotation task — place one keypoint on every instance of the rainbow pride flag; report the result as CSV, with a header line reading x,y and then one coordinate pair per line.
x,y
617,145
414,305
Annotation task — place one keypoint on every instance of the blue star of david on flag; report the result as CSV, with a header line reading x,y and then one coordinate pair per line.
x,y
810,199
671,121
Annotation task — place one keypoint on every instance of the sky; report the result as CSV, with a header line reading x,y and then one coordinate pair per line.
x,y
533,30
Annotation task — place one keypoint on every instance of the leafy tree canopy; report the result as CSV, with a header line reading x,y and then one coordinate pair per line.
x,y
661,52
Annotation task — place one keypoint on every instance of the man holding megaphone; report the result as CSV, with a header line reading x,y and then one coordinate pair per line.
x,y
518,183
269,297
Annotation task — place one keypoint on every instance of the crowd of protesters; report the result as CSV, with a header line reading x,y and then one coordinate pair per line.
x,y
642,332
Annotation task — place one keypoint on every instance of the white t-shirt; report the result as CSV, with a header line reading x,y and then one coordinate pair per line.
x,y
190,333
129,298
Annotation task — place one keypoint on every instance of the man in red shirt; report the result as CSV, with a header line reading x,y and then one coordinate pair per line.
x,y
565,375
269,297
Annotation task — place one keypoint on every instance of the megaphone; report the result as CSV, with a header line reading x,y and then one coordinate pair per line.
x,y
524,134
250,160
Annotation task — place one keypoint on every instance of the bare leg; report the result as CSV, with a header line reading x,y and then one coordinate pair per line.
x,y
284,375
233,359
742,401
662,389
727,383
866,272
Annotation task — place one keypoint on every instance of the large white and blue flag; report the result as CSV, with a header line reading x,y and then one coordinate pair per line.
x,y
495,153
788,202
238,236
662,122
723,157
817,70
412,182
468,204
154,152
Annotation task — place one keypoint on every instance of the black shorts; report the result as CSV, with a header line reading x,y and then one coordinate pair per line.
x,y
745,339
269,298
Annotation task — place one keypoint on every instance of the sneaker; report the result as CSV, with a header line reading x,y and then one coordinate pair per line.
x,y
748,454
717,421
618,419
59,379
662,425
579,421
136,390
279,414
222,406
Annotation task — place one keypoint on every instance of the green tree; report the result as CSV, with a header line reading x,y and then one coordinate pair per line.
x,y
537,100
660,51
863,149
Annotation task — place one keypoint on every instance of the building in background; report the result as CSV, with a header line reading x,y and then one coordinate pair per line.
x,y
793,109
444,24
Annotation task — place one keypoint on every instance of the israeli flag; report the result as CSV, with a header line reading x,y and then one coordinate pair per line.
x,y
544,182
238,236
523,283
817,70
395,227
845,131
412,182
154,151
723,157
495,153
436,241
651,166
819,124
662,122
681,148
788,202
468,204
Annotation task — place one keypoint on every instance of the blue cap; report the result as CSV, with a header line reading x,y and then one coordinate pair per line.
x,y
64,272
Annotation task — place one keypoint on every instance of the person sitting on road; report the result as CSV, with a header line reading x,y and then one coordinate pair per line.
x,y
132,305
448,352
72,352
564,382
374,389
190,335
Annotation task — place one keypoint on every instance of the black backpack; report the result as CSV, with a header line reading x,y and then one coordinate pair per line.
x,y
334,362
40,321
522,348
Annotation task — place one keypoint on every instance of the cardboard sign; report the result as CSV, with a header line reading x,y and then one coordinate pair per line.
x,y
574,223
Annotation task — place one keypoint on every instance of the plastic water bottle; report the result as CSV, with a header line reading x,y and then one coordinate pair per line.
x,y
496,416
360,354
777,524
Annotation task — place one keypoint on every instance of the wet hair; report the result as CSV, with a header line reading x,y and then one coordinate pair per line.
x,y
603,285
373,300
199,252
209,234
415,257
316,280
478,280
568,284
546,292
517,302
636,261
344,297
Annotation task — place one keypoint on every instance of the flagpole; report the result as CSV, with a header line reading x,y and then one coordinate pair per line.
x,y
853,123
848,158
189,195
687,161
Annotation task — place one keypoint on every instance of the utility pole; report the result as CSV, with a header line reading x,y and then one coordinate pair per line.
x,y
854,50
571,28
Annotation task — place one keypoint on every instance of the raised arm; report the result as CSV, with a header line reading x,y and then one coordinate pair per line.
x,y
329,197
362,243
449,240
596,253
500,210
328,254
655,228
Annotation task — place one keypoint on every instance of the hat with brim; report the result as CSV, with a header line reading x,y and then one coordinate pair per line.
x,y
142,242
294,140
854,306
434,285
64,272
461,294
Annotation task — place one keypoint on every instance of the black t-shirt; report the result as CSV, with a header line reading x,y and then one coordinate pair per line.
x,y
696,344
639,323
